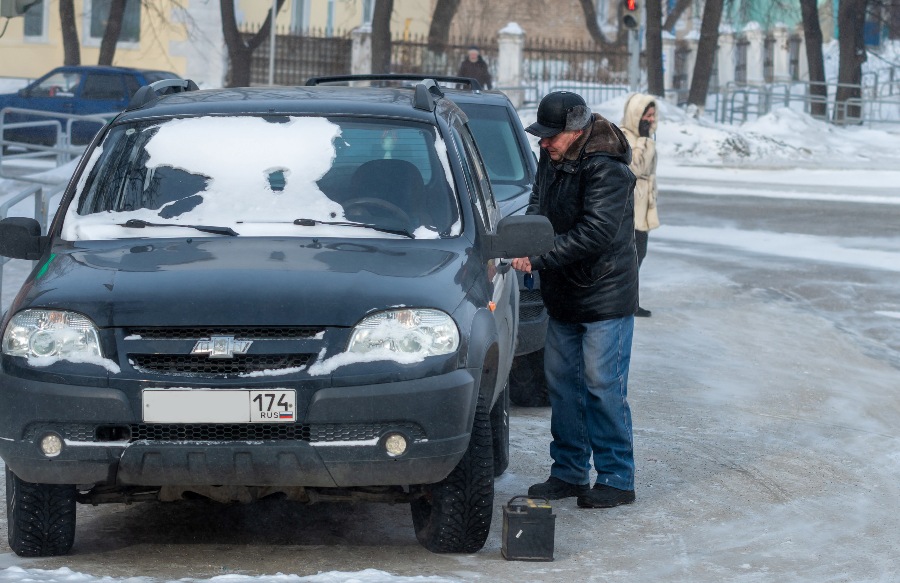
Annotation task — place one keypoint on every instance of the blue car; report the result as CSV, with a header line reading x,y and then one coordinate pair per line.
x,y
79,90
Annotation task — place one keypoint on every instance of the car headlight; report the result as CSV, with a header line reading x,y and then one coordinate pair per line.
x,y
51,333
408,331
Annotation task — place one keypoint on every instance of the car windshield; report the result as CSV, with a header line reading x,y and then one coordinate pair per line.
x,y
497,143
266,176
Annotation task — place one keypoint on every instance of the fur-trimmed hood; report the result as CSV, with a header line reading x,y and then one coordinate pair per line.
x,y
635,107
601,136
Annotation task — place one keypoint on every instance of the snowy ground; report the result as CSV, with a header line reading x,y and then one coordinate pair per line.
x,y
763,389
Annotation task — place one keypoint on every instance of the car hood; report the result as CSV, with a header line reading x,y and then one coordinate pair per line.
x,y
252,282
512,198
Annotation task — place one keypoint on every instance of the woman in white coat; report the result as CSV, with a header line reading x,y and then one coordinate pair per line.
x,y
639,125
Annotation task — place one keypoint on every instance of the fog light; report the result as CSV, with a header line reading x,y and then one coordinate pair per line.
x,y
51,445
395,444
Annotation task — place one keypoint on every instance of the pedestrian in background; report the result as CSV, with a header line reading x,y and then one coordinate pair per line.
x,y
589,286
639,125
476,67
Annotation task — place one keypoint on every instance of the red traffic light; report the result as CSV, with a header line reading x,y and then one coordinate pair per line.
x,y
630,5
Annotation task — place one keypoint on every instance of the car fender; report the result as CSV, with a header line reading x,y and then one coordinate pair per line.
x,y
482,352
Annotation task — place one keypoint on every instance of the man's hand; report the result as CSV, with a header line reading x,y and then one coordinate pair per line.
x,y
522,264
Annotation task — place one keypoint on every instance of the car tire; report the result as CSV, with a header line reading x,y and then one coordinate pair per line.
x,y
40,517
527,383
500,432
454,515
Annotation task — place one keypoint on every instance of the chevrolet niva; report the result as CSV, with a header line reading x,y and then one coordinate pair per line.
x,y
296,292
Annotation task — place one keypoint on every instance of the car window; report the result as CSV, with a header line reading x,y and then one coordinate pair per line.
x,y
131,84
99,86
483,190
57,85
497,143
258,175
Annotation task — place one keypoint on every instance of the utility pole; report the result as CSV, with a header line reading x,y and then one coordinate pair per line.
x,y
631,21
272,43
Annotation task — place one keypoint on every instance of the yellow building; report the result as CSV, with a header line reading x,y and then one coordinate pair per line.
x,y
183,36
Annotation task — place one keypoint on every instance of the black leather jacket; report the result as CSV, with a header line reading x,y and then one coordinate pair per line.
x,y
592,273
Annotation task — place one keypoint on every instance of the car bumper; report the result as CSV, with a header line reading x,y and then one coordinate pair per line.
x,y
433,413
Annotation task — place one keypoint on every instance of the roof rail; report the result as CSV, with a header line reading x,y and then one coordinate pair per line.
x,y
427,92
472,83
148,93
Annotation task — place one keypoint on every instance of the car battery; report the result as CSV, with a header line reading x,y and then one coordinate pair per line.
x,y
528,529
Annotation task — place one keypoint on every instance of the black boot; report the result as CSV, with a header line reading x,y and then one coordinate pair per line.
x,y
642,313
556,489
603,496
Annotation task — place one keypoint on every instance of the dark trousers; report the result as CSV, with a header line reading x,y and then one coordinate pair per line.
x,y
640,242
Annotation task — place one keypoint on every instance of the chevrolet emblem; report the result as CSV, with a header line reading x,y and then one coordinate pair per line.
x,y
221,347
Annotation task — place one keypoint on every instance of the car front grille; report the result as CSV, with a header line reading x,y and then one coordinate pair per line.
x,y
240,333
202,365
531,304
229,432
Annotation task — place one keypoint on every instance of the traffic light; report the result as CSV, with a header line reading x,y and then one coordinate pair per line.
x,y
631,18
10,8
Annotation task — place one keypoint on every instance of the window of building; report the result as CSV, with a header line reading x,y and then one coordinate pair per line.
x,y
794,57
131,22
36,21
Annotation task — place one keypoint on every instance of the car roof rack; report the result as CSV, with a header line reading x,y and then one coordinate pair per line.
x,y
154,91
427,93
472,83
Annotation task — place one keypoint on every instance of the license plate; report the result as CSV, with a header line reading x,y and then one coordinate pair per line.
x,y
219,406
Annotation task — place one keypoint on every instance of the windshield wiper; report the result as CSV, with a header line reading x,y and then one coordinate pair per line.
x,y
140,224
314,222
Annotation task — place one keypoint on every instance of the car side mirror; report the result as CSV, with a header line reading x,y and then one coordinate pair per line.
x,y
521,236
20,238
22,93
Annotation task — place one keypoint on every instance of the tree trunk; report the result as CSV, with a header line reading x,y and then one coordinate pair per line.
x,y
240,53
381,36
852,18
706,54
590,19
441,19
112,31
653,35
71,46
676,12
812,36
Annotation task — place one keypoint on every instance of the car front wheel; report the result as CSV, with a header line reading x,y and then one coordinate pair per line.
x,y
40,517
454,515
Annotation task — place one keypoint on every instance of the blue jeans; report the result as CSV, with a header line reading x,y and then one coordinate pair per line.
x,y
587,374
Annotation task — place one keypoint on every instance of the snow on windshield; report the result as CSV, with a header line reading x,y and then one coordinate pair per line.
x,y
256,175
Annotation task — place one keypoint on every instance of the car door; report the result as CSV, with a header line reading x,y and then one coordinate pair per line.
x,y
503,281
55,92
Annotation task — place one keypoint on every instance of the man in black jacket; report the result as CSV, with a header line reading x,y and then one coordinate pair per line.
x,y
589,284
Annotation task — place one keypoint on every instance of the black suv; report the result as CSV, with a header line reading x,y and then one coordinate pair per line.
x,y
271,291
511,167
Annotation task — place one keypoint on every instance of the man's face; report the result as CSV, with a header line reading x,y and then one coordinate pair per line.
x,y
558,145
473,55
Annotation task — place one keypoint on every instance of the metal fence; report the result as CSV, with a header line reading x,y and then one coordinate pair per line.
x,y
877,105
299,56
